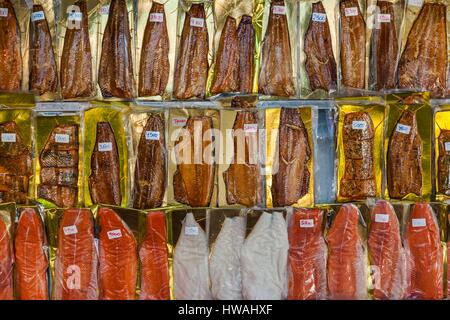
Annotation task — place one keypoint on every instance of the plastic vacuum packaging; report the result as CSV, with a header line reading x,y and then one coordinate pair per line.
x,y
7,218
156,39
408,146
192,157
105,155
442,150
318,48
191,280
264,257
360,148
447,222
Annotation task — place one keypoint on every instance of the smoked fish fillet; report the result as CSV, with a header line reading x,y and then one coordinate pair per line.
x,y
275,77
6,264
10,53
353,45
423,64
226,70
117,256
448,261
104,181
115,75
43,72
443,172
192,66
150,171
346,257
246,51
242,178
31,261
320,63
386,253
384,50
404,164
359,177
291,182
307,261
193,182
424,254
154,66
76,59
154,259
76,257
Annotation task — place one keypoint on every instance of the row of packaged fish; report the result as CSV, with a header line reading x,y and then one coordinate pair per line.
x,y
187,49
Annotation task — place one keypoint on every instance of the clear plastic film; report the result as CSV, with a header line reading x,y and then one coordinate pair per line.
x,y
441,186
7,218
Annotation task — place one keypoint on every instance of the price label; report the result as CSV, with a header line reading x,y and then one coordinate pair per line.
x,y
384,17
104,10
279,10
250,127
70,230
179,122
415,3
104,146
37,16
3,12
62,138
351,12
156,17
152,135
191,231
197,22
419,222
8,137
319,17
359,125
381,217
402,128
114,234
447,146
75,16
307,223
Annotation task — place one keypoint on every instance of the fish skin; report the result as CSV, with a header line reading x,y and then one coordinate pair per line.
x,y
226,70
246,50
193,183
386,253
242,178
154,259
76,59
291,182
384,47
307,256
66,177
104,181
404,166
76,252
359,177
191,71
154,66
423,63
117,257
320,63
43,71
353,46
115,75
6,264
31,261
443,173
10,52
62,196
275,77
424,256
150,171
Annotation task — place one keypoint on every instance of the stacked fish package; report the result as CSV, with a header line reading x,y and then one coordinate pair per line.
x,y
441,139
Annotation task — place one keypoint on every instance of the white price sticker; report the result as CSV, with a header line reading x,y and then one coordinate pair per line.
x,y
156,17
402,128
114,234
197,22
104,146
359,125
279,10
307,223
37,16
191,231
75,16
382,218
415,3
3,12
319,17
152,135
8,137
70,230
62,138
179,122
250,127
419,222
104,10
351,12
384,17
447,146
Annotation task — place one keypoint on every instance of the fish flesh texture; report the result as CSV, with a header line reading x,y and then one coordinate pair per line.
x,y
346,256
150,171
190,262
76,257
384,49
424,254
276,73
226,70
43,72
10,54
246,52
291,182
115,75
264,259
154,259
59,166
76,59
224,262
386,254
404,158
242,178
423,64
6,263
118,260
307,264
191,70
320,63
193,181
104,181
448,261
353,45
443,174
15,164
31,260
155,66
359,177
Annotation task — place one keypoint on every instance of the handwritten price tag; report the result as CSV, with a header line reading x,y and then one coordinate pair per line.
x,y
62,138
307,223
279,10
359,125
152,135
402,128
104,146
197,22
3,12
37,16
382,218
8,137
156,17
351,12
319,17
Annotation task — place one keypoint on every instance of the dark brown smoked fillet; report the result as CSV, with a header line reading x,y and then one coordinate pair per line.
x,y
443,172
246,49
